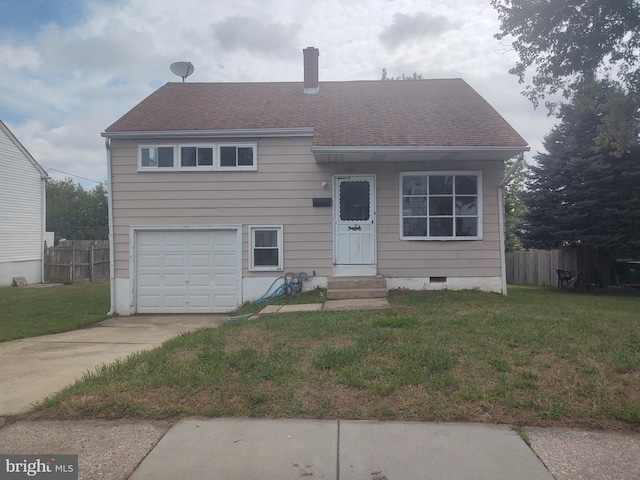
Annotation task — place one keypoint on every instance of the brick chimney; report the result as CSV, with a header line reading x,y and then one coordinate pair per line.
x,y
311,55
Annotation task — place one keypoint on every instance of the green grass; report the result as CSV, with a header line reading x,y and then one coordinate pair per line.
x,y
40,310
535,357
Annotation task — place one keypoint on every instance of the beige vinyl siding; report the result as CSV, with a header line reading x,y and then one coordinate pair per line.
x,y
280,192
433,258
20,205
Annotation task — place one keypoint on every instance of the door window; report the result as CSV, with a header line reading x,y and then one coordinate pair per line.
x,y
354,200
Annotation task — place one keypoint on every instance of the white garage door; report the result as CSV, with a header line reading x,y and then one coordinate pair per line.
x,y
187,271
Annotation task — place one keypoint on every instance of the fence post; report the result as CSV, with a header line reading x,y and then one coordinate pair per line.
x,y
91,263
73,263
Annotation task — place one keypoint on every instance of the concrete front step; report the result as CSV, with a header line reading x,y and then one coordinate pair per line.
x,y
356,293
343,288
337,283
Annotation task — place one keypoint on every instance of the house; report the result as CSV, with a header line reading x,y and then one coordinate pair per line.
x,y
219,189
22,212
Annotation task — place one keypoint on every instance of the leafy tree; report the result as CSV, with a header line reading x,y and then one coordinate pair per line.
x,y
75,213
415,76
568,42
585,192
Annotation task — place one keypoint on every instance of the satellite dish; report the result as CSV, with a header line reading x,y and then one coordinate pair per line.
x,y
182,69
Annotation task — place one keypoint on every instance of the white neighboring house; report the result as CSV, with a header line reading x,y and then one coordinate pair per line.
x,y
22,212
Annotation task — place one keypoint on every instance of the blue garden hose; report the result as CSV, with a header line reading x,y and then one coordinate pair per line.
x,y
284,289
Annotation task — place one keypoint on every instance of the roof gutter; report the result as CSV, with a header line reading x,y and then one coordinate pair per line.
x,y
237,133
503,241
390,149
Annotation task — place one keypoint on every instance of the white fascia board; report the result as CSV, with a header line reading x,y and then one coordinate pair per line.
x,y
238,133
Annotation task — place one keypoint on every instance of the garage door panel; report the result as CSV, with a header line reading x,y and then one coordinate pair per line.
x,y
173,239
202,280
148,280
148,301
224,279
173,301
226,301
148,260
173,280
174,260
182,272
200,239
200,260
200,301
223,260
149,241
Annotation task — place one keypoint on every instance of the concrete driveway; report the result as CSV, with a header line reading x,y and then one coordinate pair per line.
x,y
34,368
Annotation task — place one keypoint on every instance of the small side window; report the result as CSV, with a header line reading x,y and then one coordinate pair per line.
x,y
265,248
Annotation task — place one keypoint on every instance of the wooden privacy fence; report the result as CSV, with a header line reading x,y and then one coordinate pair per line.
x,y
538,267
77,261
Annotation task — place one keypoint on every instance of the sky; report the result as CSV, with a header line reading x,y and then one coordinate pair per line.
x,y
71,68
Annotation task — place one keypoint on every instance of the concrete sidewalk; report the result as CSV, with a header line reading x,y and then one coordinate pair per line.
x,y
335,449
196,448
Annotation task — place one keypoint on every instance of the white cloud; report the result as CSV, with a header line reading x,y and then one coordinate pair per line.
x,y
413,28
16,58
64,86
255,35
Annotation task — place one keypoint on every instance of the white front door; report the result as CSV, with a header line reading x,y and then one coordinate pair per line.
x,y
355,225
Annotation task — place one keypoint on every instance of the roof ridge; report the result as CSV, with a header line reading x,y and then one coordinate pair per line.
x,y
321,82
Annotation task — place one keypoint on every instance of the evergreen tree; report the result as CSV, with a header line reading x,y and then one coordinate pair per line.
x,y
585,191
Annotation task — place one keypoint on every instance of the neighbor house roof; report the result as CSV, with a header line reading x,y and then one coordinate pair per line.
x,y
19,146
417,113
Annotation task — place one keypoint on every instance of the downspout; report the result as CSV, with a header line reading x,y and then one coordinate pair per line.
x,y
112,276
505,180
43,229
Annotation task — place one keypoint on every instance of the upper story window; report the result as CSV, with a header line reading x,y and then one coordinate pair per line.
x,y
237,156
441,206
197,157
156,157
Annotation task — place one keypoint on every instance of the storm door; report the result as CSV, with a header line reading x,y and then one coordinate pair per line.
x,y
354,225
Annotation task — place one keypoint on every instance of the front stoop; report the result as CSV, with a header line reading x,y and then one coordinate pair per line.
x,y
343,288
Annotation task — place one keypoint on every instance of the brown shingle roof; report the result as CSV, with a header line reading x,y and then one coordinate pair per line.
x,y
359,113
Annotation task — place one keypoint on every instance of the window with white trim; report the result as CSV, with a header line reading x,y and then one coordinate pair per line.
x,y
157,156
265,248
441,206
229,157
196,156
239,156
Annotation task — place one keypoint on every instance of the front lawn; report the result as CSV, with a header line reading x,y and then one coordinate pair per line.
x,y
40,310
535,357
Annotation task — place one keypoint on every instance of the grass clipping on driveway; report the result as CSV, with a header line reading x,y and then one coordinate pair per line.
x,y
535,357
